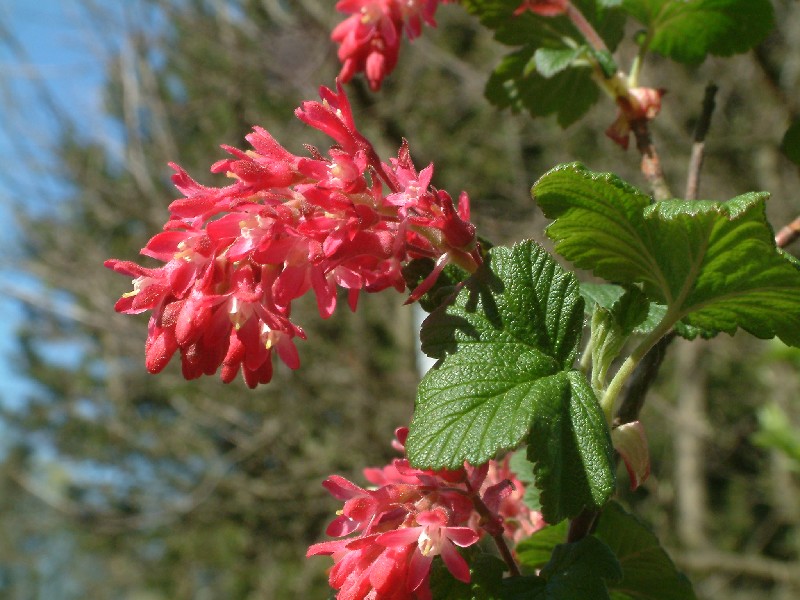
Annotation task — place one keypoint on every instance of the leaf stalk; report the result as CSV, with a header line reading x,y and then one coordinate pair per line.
x,y
627,368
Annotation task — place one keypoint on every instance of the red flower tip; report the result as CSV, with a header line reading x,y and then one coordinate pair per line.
x,y
544,8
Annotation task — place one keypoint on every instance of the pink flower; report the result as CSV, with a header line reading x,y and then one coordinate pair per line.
x,y
364,569
503,494
640,104
432,537
369,39
412,516
545,8
234,258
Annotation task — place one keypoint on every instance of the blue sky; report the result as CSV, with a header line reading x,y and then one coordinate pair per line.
x,y
58,52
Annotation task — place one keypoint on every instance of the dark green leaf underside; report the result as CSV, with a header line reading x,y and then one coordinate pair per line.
x,y
648,572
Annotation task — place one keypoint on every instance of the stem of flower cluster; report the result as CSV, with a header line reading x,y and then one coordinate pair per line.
x,y
587,31
788,234
651,163
627,368
638,62
494,528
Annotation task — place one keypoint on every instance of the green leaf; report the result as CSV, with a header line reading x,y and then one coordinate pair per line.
x,y
571,448
631,310
791,142
525,588
713,264
535,551
600,294
647,571
541,76
506,347
486,574
688,31
504,344
568,94
579,570
549,61
523,469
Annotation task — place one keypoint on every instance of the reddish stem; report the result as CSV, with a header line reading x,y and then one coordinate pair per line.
x,y
377,165
788,234
586,29
651,164
494,527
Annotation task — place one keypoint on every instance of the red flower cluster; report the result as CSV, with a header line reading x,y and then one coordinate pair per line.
x,y
235,257
413,516
369,39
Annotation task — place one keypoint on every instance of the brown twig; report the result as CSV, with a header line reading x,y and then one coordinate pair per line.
x,y
788,234
651,164
698,148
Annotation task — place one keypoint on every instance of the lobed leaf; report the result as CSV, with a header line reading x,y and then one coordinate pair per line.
x,y
544,75
536,30
578,570
570,446
713,264
688,31
648,573
549,61
523,469
534,552
567,94
506,347
606,295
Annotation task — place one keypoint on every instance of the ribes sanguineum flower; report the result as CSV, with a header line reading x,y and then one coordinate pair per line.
x,y
410,517
235,257
638,104
369,39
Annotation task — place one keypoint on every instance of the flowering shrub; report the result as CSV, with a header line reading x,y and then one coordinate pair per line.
x,y
512,369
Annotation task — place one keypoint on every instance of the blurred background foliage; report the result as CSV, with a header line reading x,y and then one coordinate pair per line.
x,y
117,484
